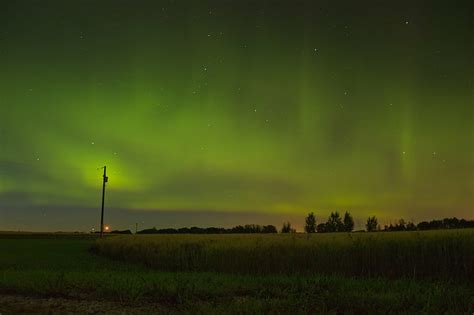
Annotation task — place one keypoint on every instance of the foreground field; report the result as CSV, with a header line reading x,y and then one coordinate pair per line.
x,y
59,274
446,254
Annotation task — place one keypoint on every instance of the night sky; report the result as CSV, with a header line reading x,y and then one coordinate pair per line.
x,y
217,113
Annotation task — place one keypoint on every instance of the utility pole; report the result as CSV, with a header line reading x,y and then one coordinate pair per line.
x,y
136,228
105,180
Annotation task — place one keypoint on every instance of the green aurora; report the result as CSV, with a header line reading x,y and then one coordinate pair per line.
x,y
253,109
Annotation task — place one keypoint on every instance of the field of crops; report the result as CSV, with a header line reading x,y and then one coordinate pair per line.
x,y
60,274
447,254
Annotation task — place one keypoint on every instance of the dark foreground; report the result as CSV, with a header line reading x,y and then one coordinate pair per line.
x,y
58,274
24,304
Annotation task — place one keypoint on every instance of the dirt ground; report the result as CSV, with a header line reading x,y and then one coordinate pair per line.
x,y
16,304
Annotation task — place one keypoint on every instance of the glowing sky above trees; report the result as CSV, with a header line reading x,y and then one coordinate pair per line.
x,y
250,110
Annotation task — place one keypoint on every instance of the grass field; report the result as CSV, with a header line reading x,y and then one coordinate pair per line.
x,y
444,254
63,267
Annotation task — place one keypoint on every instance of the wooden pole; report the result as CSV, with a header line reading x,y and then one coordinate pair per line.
x,y
103,199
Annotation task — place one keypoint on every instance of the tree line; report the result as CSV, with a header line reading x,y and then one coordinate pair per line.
x,y
337,223
334,223
239,229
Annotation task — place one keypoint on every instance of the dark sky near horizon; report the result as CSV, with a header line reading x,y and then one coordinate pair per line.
x,y
232,112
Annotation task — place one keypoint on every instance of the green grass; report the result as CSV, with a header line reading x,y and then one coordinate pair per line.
x,y
64,266
447,254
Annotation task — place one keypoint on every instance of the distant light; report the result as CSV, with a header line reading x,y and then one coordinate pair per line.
x,y
106,227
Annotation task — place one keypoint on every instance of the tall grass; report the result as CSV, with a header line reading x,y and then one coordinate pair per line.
x,y
447,254
64,267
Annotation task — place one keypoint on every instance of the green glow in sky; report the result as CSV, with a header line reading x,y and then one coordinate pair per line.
x,y
236,107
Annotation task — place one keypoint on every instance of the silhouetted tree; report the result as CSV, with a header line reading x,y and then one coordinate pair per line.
x,y
423,225
287,228
436,224
450,223
214,230
253,228
371,224
348,222
411,226
310,226
269,229
446,223
322,228
402,225
148,231
237,229
334,223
